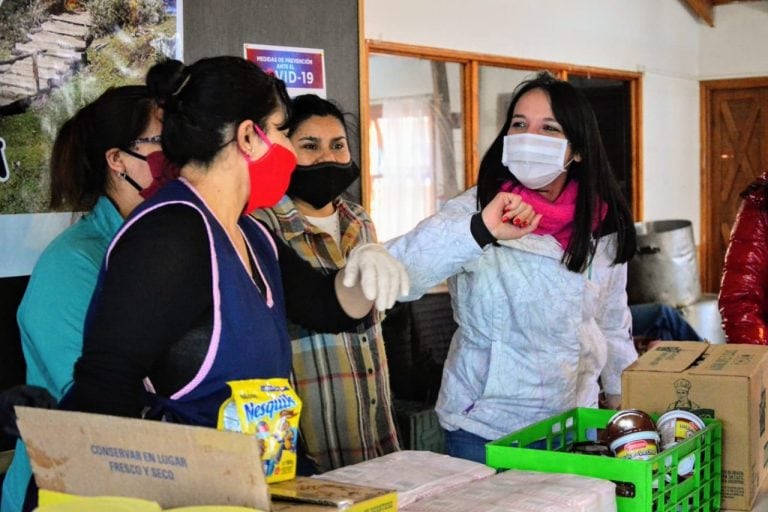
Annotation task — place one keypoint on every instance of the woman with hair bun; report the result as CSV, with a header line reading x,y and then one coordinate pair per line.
x,y
191,293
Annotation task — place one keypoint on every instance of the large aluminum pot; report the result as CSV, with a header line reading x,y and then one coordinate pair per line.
x,y
704,317
665,268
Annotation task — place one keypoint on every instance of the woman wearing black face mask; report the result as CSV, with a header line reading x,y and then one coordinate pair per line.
x,y
342,378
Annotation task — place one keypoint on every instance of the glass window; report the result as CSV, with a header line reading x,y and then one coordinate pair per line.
x,y
495,86
426,106
416,150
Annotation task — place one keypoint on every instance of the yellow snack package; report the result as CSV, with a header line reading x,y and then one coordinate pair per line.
x,y
269,410
53,501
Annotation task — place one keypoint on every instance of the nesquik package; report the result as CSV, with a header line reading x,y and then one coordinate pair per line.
x,y
269,410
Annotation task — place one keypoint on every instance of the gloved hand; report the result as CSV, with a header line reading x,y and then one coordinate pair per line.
x,y
381,276
31,396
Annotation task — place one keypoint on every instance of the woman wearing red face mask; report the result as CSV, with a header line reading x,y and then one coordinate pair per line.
x,y
98,165
191,291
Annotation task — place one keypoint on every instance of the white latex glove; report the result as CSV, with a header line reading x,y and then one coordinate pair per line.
x,y
382,278
613,401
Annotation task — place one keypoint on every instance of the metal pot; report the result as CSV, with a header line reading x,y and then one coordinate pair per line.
x,y
665,268
704,317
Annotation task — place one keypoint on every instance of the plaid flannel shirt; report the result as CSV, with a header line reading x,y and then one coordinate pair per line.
x,y
342,379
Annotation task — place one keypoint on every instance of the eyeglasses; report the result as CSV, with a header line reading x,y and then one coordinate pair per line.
x,y
154,139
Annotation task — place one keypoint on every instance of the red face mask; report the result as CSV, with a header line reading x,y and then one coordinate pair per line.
x,y
270,175
161,169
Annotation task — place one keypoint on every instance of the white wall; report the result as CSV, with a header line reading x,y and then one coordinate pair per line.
x,y
24,236
659,38
736,47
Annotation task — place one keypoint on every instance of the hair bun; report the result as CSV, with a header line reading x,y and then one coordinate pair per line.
x,y
166,79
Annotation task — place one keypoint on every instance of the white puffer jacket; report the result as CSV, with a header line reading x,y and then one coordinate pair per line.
x,y
533,337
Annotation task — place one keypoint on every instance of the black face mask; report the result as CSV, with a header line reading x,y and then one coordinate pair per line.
x,y
321,183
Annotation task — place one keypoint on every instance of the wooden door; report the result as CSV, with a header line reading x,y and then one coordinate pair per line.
x,y
734,152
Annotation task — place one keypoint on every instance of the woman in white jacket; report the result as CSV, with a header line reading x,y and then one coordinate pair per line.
x,y
543,316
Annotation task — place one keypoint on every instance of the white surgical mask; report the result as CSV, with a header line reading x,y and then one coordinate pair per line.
x,y
535,160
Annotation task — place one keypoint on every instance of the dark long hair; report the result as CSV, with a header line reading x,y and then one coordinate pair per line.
x,y
307,105
204,101
78,162
596,182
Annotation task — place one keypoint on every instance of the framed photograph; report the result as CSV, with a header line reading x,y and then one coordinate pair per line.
x,y
56,57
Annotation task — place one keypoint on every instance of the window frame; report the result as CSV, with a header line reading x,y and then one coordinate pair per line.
x,y
470,63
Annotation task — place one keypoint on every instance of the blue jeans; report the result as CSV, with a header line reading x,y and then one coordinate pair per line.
x,y
465,445
661,322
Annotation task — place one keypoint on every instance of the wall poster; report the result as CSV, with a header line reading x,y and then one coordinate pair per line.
x,y
56,56
302,69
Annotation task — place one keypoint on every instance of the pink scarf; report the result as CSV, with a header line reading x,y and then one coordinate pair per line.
x,y
557,216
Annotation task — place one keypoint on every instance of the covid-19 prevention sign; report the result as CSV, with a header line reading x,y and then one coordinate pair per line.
x,y
302,69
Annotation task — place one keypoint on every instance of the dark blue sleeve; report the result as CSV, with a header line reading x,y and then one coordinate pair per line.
x,y
156,288
310,294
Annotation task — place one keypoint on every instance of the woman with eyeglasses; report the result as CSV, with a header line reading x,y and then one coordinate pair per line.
x,y
194,292
106,160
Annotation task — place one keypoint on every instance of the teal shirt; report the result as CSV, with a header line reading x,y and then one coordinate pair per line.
x,y
51,318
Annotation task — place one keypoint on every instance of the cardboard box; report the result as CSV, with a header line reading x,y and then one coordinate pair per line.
x,y
305,494
174,465
727,382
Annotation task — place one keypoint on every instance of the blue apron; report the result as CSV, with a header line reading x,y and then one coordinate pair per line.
x,y
249,338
